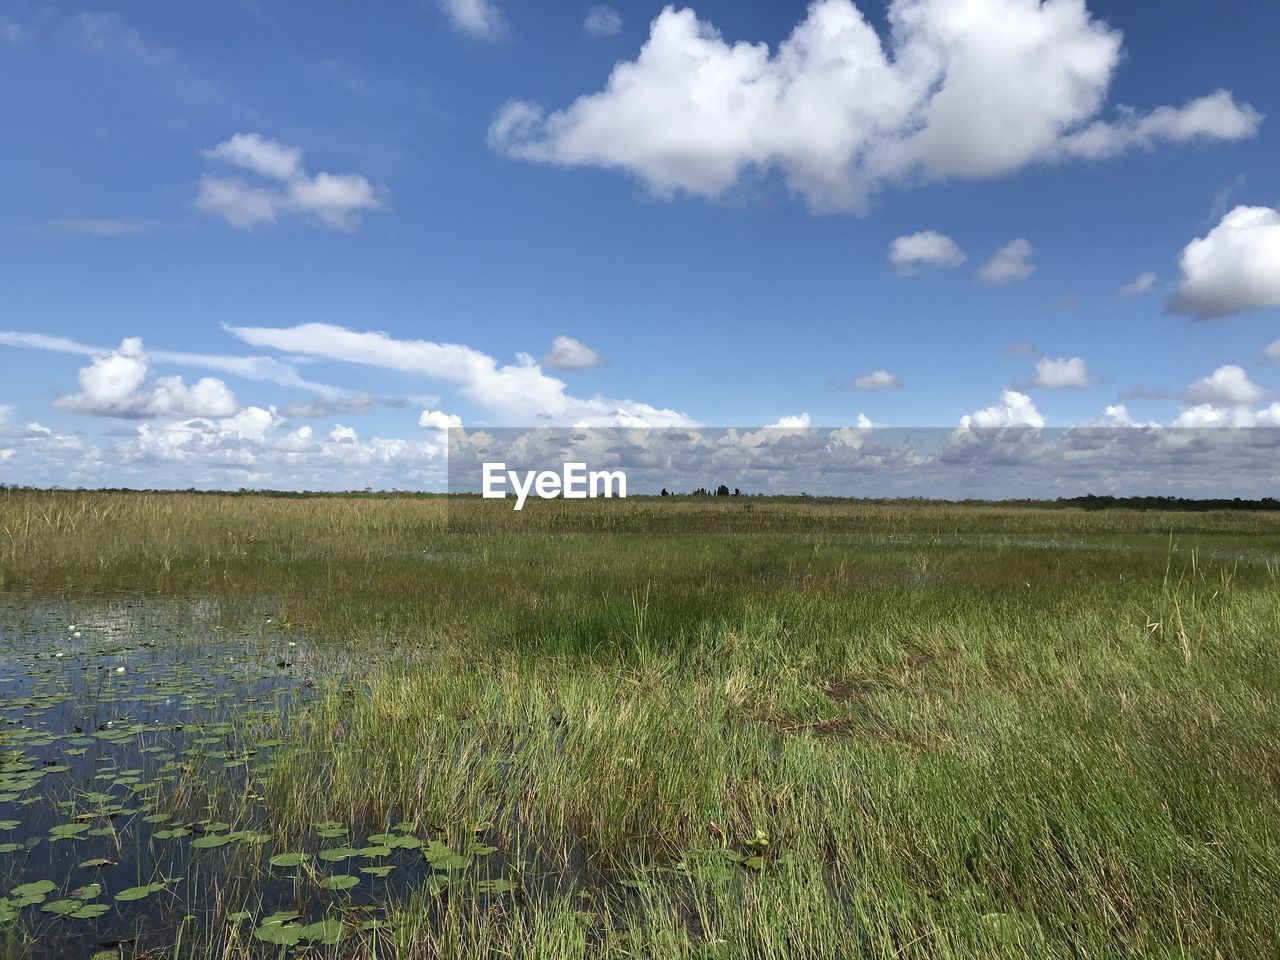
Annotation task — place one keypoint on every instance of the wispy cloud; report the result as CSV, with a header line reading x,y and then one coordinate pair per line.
x,y
261,369
96,228
519,392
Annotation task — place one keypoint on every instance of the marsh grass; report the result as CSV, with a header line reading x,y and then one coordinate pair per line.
x,y
936,731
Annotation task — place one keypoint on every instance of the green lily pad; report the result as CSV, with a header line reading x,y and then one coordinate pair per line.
x,y
289,859
61,907
90,911
338,854
281,934
139,893
326,931
210,840
340,882
379,871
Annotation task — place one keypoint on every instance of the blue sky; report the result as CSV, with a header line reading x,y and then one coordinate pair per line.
x,y
713,226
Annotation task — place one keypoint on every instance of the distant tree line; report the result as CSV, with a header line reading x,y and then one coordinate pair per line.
x,y
1089,502
720,491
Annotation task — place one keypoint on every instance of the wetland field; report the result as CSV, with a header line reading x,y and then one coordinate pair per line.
x,y
408,727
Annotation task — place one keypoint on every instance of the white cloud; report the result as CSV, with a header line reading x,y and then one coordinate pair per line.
x,y
1215,415
331,200
570,354
1228,385
1215,116
966,90
252,151
519,392
1271,352
262,369
877,380
602,21
801,422
1064,373
925,249
479,19
116,385
1139,285
438,420
1234,268
1011,263
1014,410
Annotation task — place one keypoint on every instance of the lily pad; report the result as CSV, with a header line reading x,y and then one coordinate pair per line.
x,y
139,893
340,882
338,854
289,859
327,931
210,840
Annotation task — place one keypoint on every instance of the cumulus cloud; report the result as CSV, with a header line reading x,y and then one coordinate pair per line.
x,y
1011,263
925,249
1228,385
602,21
1226,398
1014,410
569,354
877,380
520,392
955,90
478,19
1139,285
330,200
1271,352
1064,373
438,420
1240,416
117,385
1233,268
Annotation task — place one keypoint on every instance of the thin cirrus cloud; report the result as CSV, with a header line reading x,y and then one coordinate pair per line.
x,y
928,248
519,392
1233,269
1010,264
261,369
478,19
841,114
330,200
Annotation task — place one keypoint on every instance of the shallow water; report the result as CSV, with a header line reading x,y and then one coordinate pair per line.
x,y
130,734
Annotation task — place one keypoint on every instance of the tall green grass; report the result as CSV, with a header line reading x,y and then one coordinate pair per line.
x,y
965,732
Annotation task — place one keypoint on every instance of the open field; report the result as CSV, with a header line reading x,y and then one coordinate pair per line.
x,y
688,728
